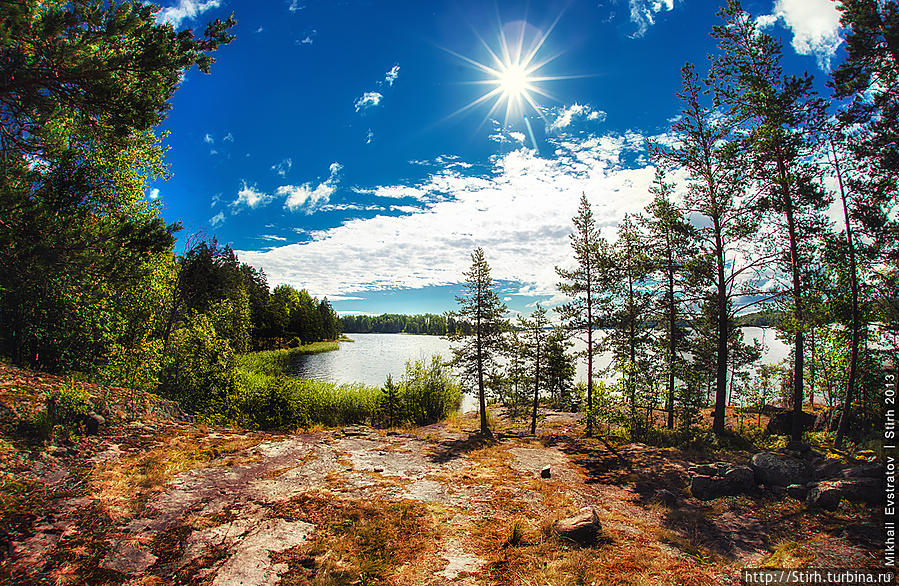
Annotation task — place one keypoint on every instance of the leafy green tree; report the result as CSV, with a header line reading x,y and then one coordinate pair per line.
x,y
475,351
782,119
82,84
586,286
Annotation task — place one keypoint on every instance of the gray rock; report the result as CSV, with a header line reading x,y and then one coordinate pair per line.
x,y
582,528
705,488
780,470
666,497
703,469
93,422
738,479
781,423
546,472
829,469
825,495
867,490
873,470
58,451
798,491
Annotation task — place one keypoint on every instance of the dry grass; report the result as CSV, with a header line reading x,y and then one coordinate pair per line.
x,y
355,542
126,484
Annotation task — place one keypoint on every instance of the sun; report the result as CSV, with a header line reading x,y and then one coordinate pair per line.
x,y
512,72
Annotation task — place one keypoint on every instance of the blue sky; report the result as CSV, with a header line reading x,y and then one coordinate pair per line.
x,y
340,145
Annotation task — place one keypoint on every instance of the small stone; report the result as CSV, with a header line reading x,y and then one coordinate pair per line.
x,y
545,472
379,469
582,528
58,451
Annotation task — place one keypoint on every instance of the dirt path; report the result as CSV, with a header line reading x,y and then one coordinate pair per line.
x,y
429,506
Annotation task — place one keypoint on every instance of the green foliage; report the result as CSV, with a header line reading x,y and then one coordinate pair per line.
x,y
200,370
478,346
390,323
427,392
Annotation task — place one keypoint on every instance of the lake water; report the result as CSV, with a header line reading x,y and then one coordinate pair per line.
x,y
371,357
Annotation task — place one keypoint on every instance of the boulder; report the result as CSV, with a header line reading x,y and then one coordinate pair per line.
x,y
734,480
666,497
825,495
781,423
864,489
703,470
798,491
873,470
738,480
704,487
545,472
582,528
780,470
830,468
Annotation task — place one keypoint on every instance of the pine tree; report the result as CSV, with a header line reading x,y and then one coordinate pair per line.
x,y
716,190
477,346
672,247
585,285
781,117
534,338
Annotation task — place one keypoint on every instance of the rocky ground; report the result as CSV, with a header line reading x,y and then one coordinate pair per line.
x,y
159,502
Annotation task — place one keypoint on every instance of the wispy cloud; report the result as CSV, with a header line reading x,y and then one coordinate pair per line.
x,y
283,168
306,197
392,75
185,10
251,197
565,116
369,136
208,139
368,100
272,237
295,6
217,220
228,138
643,13
521,210
815,25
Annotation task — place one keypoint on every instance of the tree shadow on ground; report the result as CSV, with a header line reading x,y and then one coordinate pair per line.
x,y
451,449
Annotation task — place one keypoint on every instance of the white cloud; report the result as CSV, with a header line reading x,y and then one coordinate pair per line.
x,y
369,136
643,13
368,100
283,168
307,40
519,136
228,138
251,197
305,196
295,6
217,220
272,237
208,139
185,10
519,212
154,193
815,25
565,116
392,75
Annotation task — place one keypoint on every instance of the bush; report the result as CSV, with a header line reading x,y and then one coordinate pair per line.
x,y
200,370
427,392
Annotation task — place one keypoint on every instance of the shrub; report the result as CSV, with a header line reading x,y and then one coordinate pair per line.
x,y
428,392
200,370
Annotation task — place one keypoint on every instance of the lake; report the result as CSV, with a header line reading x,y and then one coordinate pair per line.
x,y
371,357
